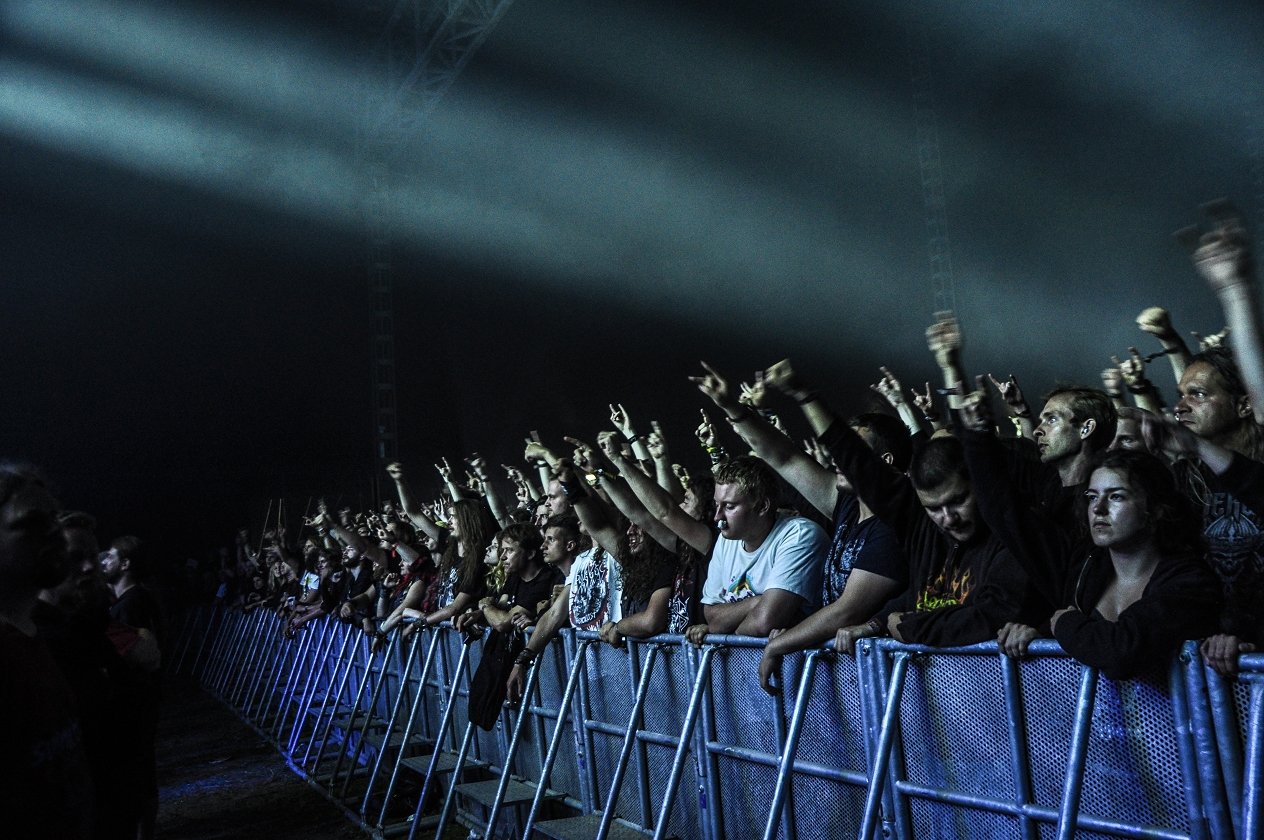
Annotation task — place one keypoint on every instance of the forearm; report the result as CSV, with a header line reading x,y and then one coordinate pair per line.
x,y
668,480
649,622
1241,310
726,618
622,497
557,617
460,604
908,415
497,503
497,619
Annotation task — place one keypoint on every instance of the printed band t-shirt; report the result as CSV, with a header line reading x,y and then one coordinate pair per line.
x,y
791,557
596,590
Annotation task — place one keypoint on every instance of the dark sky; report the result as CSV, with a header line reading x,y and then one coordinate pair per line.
x,y
607,193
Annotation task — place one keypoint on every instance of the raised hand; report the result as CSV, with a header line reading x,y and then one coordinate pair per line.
x,y
1223,256
1207,342
925,403
782,377
889,387
706,432
513,473
585,458
943,338
537,451
619,417
444,469
1156,321
610,444
395,470
479,464
754,395
1009,391
682,475
714,386
1132,369
655,443
1112,381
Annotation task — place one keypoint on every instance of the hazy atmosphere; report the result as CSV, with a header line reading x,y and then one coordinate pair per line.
x,y
607,193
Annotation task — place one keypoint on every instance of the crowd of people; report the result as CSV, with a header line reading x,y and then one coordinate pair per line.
x,y
1117,527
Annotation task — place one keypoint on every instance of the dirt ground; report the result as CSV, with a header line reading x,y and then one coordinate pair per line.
x,y
218,779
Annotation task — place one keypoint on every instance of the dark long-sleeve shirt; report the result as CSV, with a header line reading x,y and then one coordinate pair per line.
x,y
960,593
1179,601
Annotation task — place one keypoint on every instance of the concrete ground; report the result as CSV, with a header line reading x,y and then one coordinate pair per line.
x,y
219,780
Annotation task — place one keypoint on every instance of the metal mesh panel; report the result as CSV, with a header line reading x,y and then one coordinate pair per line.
x,y
832,736
665,710
940,820
612,693
744,716
954,725
1049,695
743,712
1241,704
1133,771
552,683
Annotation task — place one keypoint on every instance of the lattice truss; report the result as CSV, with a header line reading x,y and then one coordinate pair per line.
x,y
414,59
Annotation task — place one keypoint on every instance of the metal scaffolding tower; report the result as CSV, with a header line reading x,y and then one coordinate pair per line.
x,y
931,168
414,59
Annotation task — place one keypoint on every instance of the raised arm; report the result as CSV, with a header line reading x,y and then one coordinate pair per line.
x,y
1019,411
944,340
782,376
592,511
409,505
1224,260
1142,389
622,497
817,484
1156,321
656,445
494,500
888,387
658,503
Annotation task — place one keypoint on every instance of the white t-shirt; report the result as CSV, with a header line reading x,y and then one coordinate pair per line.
x,y
791,557
596,590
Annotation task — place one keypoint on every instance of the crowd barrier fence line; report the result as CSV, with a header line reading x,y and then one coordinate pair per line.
x,y
897,741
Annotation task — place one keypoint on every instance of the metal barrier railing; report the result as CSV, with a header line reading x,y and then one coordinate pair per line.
x,y
678,741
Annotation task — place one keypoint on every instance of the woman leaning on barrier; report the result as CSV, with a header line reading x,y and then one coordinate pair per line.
x,y
1132,582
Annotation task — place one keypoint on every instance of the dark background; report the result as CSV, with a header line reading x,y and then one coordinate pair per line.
x,y
609,192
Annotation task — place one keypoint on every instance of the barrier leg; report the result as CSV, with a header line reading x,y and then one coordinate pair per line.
x,y
882,755
629,740
431,773
786,768
1252,813
1074,782
414,710
546,770
507,764
1017,744
682,748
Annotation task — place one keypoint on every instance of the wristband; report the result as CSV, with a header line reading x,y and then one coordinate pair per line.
x,y
525,657
744,416
810,396
1025,414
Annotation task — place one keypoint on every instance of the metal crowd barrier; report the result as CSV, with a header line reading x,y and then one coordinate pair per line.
x,y
667,740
